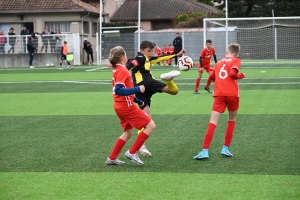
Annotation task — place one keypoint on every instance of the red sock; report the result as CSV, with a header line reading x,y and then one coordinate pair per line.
x,y
209,135
229,133
140,140
197,84
117,149
208,82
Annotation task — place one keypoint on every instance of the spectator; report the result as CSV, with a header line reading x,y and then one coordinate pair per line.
x,y
31,49
35,40
89,51
58,39
52,41
45,39
3,41
177,43
23,33
12,40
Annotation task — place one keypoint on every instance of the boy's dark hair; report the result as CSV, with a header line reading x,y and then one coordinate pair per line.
x,y
65,42
146,44
208,41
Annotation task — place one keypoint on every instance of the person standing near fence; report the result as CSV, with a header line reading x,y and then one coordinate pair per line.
x,y
12,40
177,43
31,49
52,41
23,33
58,39
89,51
3,41
45,39
35,41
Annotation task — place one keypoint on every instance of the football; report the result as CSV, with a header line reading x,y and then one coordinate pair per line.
x,y
51,65
47,65
185,63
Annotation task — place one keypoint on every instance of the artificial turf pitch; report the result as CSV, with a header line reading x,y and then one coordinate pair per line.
x,y
58,127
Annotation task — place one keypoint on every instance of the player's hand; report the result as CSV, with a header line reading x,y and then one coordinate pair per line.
x,y
142,88
135,63
181,53
141,104
243,74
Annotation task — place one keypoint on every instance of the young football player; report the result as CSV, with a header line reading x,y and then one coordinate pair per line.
x,y
170,51
142,75
226,95
207,52
129,114
64,52
164,51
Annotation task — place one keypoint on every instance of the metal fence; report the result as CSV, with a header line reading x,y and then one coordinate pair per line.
x,y
50,43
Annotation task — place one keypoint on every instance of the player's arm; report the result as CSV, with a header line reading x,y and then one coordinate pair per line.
x,y
120,90
215,58
235,75
131,63
156,59
212,75
138,101
200,61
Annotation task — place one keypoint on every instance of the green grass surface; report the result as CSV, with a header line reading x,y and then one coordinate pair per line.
x,y
58,127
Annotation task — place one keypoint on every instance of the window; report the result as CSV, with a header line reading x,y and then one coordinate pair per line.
x,y
64,27
95,27
86,27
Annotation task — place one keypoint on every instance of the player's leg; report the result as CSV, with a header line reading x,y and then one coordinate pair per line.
x,y
61,61
92,58
198,79
233,105
171,87
219,107
146,98
121,141
140,120
209,80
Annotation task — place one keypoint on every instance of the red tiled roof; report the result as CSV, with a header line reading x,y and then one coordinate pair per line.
x,y
159,9
45,5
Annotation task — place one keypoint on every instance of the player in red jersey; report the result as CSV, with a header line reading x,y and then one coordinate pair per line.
x,y
164,51
204,60
129,114
171,51
226,94
157,51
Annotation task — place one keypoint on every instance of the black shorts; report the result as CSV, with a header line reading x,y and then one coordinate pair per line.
x,y
152,86
63,57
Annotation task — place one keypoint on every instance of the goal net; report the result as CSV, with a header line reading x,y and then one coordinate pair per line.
x,y
265,38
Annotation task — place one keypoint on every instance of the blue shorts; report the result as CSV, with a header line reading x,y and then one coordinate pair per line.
x,y
63,57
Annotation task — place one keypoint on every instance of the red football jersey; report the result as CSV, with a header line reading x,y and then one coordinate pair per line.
x,y
171,50
157,51
121,75
206,55
225,85
165,50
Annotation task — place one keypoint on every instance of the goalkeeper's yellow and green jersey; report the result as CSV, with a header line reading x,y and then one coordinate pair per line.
x,y
142,71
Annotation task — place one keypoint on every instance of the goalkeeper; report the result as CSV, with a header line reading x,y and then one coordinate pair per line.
x,y
141,74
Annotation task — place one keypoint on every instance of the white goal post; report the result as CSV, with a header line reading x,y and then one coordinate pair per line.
x,y
261,38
